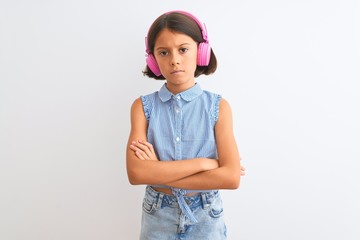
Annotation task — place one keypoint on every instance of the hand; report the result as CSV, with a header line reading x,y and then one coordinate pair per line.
x,y
143,150
242,170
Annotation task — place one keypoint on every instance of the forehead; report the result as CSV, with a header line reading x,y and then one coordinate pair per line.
x,y
167,38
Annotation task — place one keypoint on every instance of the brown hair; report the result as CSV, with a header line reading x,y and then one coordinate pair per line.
x,y
181,23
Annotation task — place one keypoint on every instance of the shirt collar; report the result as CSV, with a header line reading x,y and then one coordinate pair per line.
x,y
187,95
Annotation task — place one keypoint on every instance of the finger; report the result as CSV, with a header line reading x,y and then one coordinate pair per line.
x,y
139,155
150,151
137,147
149,145
134,148
144,146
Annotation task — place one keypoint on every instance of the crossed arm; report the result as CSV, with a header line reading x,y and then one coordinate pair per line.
x,y
143,167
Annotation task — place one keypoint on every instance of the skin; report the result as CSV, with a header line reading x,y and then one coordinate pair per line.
x,y
176,55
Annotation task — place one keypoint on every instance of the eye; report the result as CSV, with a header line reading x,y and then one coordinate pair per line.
x,y
183,50
163,53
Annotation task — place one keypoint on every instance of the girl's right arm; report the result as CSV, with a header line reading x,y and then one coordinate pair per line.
x,y
145,171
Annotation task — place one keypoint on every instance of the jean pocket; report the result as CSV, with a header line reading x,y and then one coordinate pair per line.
x,y
148,206
216,209
216,212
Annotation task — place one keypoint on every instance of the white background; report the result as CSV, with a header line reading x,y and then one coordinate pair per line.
x,y
69,71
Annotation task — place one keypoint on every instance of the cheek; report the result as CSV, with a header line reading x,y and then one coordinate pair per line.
x,y
193,62
160,62
192,59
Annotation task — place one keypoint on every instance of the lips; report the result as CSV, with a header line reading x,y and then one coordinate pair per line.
x,y
176,71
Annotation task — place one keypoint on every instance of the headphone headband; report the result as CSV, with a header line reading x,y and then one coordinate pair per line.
x,y
201,25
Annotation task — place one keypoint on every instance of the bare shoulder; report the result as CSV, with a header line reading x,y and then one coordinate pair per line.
x,y
137,112
224,110
137,109
137,104
138,121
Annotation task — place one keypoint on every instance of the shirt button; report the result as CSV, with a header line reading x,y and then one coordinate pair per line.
x,y
177,110
177,139
178,97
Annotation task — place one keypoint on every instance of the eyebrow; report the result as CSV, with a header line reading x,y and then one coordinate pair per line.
x,y
177,46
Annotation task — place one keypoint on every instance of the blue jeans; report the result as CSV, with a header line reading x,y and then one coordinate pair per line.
x,y
162,218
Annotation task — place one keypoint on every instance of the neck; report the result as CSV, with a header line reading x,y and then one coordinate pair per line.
x,y
175,89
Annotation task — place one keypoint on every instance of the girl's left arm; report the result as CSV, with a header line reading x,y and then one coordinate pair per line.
x,y
228,174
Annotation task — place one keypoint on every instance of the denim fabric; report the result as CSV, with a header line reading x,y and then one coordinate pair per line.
x,y
163,220
182,126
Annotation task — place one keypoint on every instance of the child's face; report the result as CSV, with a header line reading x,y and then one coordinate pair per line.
x,y
176,55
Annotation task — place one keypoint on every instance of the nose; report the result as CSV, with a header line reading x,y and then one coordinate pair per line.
x,y
175,59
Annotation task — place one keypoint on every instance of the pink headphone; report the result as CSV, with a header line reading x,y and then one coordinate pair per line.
x,y
204,49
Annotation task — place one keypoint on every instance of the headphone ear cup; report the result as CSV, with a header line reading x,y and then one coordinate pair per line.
x,y
204,54
152,64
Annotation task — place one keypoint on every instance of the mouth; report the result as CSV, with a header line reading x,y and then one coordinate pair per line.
x,y
176,71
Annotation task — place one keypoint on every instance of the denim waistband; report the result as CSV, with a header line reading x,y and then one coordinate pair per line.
x,y
187,191
185,203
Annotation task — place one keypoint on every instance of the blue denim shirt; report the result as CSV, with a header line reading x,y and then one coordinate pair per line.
x,y
182,126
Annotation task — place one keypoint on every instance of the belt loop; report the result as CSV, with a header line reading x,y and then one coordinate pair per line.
x,y
205,204
159,200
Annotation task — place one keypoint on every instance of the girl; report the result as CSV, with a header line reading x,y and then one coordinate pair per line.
x,y
181,143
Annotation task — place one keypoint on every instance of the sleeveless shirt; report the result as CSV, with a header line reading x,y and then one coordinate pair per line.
x,y
182,126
